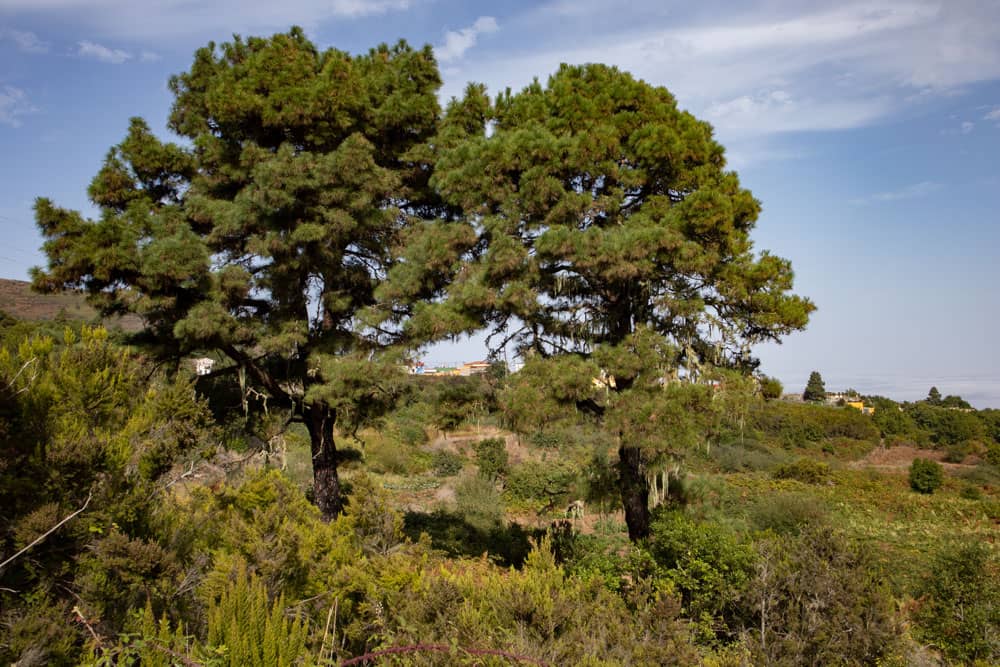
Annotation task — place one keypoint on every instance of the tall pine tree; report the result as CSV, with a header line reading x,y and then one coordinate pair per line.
x,y
266,234
612,241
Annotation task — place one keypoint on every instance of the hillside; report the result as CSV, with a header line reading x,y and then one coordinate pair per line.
x,y
19,301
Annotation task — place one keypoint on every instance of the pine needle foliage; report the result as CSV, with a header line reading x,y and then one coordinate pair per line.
x,y
246,630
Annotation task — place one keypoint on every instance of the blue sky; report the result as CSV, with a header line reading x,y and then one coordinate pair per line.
x,y
870,131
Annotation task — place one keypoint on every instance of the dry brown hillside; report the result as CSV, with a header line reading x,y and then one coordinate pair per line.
x,y
17,300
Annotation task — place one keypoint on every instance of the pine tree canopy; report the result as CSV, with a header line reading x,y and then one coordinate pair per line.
x,y
601,208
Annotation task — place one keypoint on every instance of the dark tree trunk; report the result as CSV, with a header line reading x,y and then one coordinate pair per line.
x,y
635,492
326,482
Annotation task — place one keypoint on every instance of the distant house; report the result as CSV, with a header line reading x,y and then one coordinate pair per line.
x,y
466,369
474,368
202,365
859,405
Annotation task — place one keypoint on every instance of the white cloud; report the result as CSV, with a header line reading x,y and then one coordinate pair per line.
x,y
26,41
914,191
14,103
457,42
355,8
102,53
838,64
777,111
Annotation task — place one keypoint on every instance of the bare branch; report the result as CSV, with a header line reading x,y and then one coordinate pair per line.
x,y
47,533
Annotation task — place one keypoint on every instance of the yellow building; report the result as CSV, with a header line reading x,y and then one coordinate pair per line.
x,y
859,405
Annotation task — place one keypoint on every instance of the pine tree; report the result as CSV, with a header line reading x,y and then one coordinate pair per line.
x,y
934,396
815,389
267,238
611,239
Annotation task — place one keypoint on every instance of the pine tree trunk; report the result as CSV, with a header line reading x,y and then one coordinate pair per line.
x,y
635,492
326,481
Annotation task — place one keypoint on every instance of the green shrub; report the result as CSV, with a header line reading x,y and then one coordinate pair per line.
x,y
540,480
546,440
926,476
538,612
378,526
771,388
971,492
737,458
959,451
707,564
992,455
961,609
795,424
252,631
479,503
491,457
817,599
788,513
809,471
446,464
387,455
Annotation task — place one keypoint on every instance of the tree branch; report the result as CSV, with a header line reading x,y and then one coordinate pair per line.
x,y
47,533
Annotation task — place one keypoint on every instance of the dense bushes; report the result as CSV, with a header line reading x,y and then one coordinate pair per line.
x,y
82,426
796,424
818,600
805,470
229,564
960,602
548,481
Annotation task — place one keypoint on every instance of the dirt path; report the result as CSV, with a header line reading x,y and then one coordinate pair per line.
x,y
898,459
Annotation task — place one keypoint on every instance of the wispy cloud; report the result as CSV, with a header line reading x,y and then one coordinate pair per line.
x,y
457,42
355,8
104,54
14,103
766,67
184,23
914,191
25,41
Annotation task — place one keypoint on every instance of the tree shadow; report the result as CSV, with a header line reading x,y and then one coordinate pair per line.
x,y
507,545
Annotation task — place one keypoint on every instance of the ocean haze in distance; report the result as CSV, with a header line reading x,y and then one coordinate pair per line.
x,y
869,131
